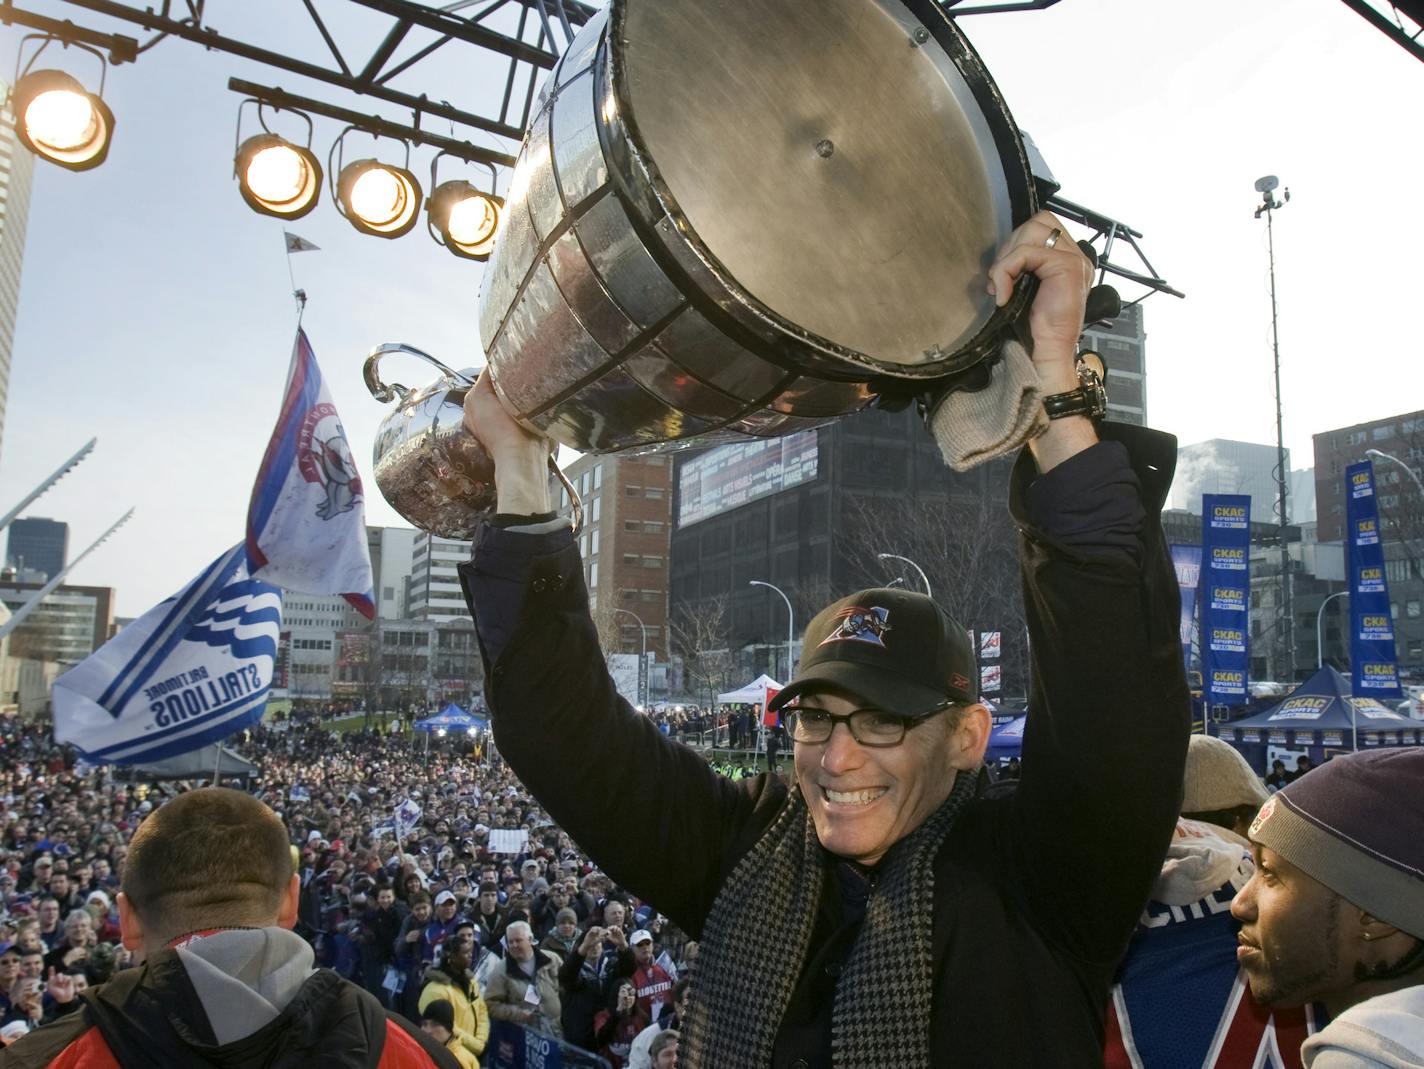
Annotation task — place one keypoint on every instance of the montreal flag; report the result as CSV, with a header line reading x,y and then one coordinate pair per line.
x,y
189,672
306,522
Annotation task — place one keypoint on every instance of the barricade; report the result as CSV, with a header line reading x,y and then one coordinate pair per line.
x,y
513,1046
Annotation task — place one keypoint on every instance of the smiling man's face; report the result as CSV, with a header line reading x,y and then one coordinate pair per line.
x,y
864,799
1293,940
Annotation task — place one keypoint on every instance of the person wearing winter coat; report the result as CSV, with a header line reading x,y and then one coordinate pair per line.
x,y
450,979
523,986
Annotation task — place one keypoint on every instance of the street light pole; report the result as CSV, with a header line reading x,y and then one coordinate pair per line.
x,y
790,624
1319,639
1395,460
643,681
895,556
1266,187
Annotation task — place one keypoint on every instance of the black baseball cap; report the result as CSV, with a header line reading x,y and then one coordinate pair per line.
x,y
896,649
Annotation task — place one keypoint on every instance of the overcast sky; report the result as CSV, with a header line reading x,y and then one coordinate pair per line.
x,y
156,312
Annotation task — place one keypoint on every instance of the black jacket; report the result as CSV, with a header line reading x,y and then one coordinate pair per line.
x,y
1036,894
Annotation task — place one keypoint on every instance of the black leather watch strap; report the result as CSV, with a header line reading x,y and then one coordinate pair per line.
x,y
1089,399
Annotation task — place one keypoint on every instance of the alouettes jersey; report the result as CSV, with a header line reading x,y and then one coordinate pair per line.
x,y
1181,1001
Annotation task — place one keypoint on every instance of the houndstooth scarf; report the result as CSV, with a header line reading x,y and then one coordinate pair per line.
x,y
884,997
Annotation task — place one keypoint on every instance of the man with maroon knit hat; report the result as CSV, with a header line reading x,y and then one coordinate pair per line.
x,y
1335,911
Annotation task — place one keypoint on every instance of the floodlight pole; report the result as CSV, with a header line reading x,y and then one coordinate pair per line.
x,y
1266,186
64,469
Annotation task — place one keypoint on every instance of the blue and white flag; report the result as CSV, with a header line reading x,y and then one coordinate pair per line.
x,y
407,817
189,672
306,523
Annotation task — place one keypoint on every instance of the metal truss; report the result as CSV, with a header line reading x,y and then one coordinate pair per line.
x,y
1111,232
960,7
519,38
1402,21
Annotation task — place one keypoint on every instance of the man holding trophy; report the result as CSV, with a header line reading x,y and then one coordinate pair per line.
x,y
878,911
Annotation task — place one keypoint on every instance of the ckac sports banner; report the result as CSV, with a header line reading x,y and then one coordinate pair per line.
x,y
189,672
1373,668
1225,597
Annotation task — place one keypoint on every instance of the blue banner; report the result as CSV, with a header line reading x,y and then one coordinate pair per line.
x,y
511,1046
1374,670
1225,597
1187,561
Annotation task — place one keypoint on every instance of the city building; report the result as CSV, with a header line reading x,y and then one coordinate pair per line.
x,y
434,592
37,545
392,559
16,173
1123,347
1223,466
811,514
71,623
627,514
417,653
1401,500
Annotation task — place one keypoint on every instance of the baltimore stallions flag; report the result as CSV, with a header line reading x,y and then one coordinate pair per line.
x,y
306,523
192,670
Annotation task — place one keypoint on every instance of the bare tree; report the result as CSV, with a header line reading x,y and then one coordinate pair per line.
x,y
701,633
968,548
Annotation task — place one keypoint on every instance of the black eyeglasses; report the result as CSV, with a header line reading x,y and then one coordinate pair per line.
x,y
869,727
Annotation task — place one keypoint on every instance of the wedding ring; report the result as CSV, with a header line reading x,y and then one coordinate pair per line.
x,y
1053,236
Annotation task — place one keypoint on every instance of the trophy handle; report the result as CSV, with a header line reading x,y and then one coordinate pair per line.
x,y
575,501
383,391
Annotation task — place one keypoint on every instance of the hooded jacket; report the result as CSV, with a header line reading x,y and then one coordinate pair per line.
x,y
238,999
472,1023
1385,1032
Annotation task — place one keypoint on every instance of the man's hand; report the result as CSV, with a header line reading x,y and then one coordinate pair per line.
x,y
617,937
1055,320
60,987
521,473
592,945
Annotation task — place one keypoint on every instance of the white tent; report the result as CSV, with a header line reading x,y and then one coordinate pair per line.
x,y
753,692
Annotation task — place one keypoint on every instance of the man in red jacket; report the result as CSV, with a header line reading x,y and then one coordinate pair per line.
x,y
208,902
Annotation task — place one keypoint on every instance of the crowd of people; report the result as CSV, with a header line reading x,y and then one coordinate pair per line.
x,y
426,916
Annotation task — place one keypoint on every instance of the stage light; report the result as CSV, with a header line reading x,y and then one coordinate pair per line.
x,y
378,198
464,219
58,120
277,177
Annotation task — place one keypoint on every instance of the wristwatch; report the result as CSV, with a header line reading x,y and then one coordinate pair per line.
x,y
1089,399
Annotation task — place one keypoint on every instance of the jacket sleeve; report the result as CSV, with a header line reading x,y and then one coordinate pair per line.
x,y
595,765
1109,712
498,997
477,1041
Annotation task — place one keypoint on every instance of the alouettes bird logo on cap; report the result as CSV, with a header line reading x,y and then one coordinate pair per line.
x,y
859,624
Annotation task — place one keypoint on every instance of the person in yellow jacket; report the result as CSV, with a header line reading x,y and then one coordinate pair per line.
x,y
437,1020
450,979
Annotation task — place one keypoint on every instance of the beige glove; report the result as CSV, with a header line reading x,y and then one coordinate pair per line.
x,y
974,427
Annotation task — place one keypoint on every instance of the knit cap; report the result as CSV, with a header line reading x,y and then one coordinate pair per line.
x,y
441,1012
1217,777
1356,824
